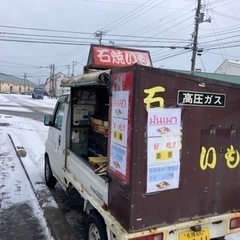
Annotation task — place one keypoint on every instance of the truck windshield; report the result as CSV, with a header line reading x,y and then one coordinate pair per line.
x,y
38,91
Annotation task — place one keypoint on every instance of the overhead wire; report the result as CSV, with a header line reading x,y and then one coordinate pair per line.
x,y
59,38
71,53
224,31
129,16
170,56
169,20
226,15
43,29
217,34
139,9
87,40
219,1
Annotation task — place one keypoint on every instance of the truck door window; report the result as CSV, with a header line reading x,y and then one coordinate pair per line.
x,y
59,115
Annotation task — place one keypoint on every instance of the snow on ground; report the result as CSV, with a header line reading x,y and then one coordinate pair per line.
x,y
26,132
17,198
12,176
15,189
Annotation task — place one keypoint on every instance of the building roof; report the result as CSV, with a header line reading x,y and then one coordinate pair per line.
x,y
15,80
230,67
233,61
220,77
56,77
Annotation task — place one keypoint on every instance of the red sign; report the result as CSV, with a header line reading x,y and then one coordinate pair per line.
x,y
119,57
121,126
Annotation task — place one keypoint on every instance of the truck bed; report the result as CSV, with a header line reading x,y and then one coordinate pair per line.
x,y
86,179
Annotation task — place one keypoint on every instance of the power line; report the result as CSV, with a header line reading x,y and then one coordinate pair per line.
x,y
120,20
227,16
59,38
170,56
45,42
44,36
19,64
136,14
43,29
222,32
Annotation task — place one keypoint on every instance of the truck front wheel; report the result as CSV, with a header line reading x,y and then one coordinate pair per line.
x,y
95,226
50,180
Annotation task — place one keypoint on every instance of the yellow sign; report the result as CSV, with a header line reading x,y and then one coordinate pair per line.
x,y
164,155
151,97
208,158
118,136
191,235
232,157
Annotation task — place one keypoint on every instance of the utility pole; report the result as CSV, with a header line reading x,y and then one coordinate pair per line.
x,y
50,78
195,36
199,18
25,78
52,81
28,87
73,63
68,67
99,35
50,85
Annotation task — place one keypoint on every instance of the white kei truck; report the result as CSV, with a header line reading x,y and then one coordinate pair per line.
x,y
155,154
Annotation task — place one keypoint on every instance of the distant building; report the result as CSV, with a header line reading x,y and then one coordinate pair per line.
x,y
12,84
229,67
52,85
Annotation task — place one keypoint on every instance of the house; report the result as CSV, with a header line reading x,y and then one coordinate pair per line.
x,y
12,84
52,85
229,67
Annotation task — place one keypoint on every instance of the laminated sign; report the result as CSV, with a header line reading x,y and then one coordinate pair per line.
x,y
163,148
119,131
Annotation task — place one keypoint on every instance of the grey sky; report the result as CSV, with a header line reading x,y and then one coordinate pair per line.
x,y
161,24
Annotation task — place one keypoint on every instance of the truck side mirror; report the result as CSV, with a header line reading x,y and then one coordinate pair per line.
x,y
48,120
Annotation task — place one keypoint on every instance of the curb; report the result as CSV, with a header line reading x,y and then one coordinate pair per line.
x,y
56,222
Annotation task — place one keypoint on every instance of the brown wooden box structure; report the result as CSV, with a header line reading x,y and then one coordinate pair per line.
x,y
190,127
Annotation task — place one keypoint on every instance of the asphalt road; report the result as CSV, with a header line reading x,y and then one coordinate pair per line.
x,y
36,110
71,205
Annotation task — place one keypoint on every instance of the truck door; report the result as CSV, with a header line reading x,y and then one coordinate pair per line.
x,y
56,142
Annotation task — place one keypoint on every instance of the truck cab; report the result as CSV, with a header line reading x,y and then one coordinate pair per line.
x,y
38,93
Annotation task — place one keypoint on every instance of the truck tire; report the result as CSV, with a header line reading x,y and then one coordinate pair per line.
x,y
95,227
50,180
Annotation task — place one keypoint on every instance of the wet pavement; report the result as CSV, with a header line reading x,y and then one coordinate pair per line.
x,y
26,212
17,222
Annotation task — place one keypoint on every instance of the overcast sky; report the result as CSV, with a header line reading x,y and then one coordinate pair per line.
x,y
62,31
